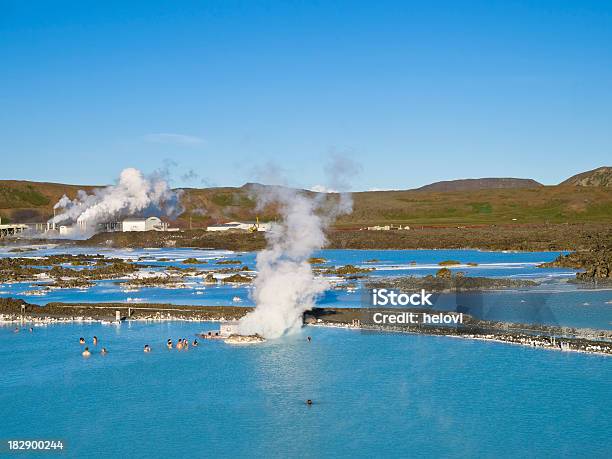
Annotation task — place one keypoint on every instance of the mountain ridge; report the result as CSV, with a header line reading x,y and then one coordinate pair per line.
x,y
601,176
511,201
479,184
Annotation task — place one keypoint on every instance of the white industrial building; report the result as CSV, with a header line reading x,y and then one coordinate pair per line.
x,y
240,226
127,225
143,224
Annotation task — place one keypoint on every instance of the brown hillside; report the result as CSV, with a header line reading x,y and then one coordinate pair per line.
x,y
479,184
32,201
602,176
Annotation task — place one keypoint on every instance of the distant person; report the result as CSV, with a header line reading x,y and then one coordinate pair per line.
x,y
147,348
16,330
103,351
169,344
309,402
309,339
195,342
179,344
31,329
86,352
95,340
185,343
81,340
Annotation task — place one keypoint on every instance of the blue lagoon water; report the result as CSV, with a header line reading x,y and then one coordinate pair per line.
x,y
554,302
375,394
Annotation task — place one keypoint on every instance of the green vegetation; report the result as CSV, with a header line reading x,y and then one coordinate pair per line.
x,y
347,270
237,278
538,205
193,261
21,196
481,207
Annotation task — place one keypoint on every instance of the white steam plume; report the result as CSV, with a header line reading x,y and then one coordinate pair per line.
x,y
133,195
285,286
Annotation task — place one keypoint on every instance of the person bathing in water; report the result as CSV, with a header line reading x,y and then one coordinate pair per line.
x,y
147,348
103,351
95,340
169,344
81,340
86,352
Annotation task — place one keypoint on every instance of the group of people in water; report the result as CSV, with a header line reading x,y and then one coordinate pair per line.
x,y
86,352
181,344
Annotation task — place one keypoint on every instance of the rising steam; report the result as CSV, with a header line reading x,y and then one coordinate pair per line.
x,y
285,286
133,195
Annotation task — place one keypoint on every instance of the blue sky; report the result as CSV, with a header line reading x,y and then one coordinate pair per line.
x,y
413,91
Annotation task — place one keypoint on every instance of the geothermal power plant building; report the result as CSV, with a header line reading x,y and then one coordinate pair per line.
x,y
127,225
143,224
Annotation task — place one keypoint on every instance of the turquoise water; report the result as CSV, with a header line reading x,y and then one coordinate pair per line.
x,y
555,302
374,395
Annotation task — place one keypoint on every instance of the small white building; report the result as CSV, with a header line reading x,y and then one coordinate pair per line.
x,y
240,226
143,224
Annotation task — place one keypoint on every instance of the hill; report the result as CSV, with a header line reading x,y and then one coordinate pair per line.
x,y
22,201
602,176
479,184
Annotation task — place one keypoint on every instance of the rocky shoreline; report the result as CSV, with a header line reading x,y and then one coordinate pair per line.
x,y
14,311
595,263
445,281
519,237
533,335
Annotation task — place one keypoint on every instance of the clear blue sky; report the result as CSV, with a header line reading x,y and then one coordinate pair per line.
x,y
414,91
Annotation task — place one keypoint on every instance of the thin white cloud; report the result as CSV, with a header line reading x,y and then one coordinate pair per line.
x,y
322,189
174,139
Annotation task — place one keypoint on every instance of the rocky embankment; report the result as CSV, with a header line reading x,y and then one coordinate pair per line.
x,y
533,335
445,281
595,264
18,310
527,237
564,338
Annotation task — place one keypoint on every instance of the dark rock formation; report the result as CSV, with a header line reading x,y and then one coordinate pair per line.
x,y
596,263
445,281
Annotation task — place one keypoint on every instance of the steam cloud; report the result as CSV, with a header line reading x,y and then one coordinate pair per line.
x,y
133,195
285,286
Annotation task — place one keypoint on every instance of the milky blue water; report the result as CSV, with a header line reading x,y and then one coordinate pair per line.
x,y
554,302
375,395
